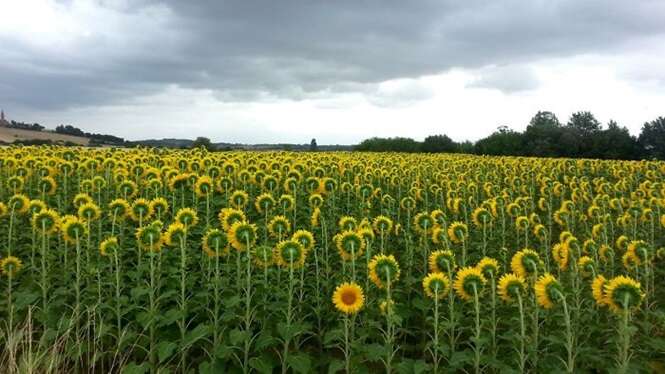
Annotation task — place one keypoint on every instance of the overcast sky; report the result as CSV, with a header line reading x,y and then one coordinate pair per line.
x,y
340,71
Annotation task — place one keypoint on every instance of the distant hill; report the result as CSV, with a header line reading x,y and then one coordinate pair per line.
x,y
11,135
187,143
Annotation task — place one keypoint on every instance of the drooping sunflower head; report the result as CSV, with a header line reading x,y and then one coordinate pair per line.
x,y
622,242
315,219
510,287
481,217
367,234
586,266
469,282
548,291
46,221
127,189
279,227
439,235
489,267
305,238
348,298
623,293
48,185
540,232
347,223
441,261
423,223
15,183
140,210
120,208
640,250
73,229
525,262
242,235
175,234
436,285
598,290
315,200
287,202
606,253
382,225
89,212
10,266
383,269
239,199
349,245
203,186
150,237
264,203
263,256
3,209
458,231
229,216
19,204
159,206
289,253
187,217
215,243
109,245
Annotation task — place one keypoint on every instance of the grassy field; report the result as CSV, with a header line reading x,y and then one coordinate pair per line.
x,y
149,260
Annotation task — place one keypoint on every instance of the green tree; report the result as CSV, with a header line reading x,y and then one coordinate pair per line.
x,y
313,147
503,141
203,142
439,143
652,138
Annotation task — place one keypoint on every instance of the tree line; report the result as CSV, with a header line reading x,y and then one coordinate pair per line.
x,y
582,136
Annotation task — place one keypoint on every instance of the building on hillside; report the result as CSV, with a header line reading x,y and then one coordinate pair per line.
x,y
3,121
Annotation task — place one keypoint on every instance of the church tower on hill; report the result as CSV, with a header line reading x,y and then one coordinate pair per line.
x,y
3,121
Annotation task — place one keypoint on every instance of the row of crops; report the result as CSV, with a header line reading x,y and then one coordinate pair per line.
x,y
149,260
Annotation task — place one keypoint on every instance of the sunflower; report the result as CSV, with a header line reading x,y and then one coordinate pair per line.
x,y
305,238
72,228
215,243
481,217
639,251
622,242
386,306
441,261
348,298
89,212
48,185
547,290
3,209
457,232
290,253
229,216
19,203
179,182
382,225
469,282
159,206
109,245
46,221
605,253
436,285
349,244
203,186
140,210
315,200
347,223
540,232
279,227
175,234
263,256
265,203
623,293
522,223
525,262
127,189
488,266
119,208
15,183
187,216
597,230
10,266
510,286
315,219
423,223
586,266
150,237
287,202
662,220
242,235
239,199
598,290
383,268
561,255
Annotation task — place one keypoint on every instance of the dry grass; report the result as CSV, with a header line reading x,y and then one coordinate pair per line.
x,y
9,135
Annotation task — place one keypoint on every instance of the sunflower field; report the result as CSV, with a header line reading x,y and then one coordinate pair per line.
x,y
184,261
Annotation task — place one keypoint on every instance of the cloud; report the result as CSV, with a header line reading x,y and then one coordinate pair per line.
x,y
508,79
60,54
